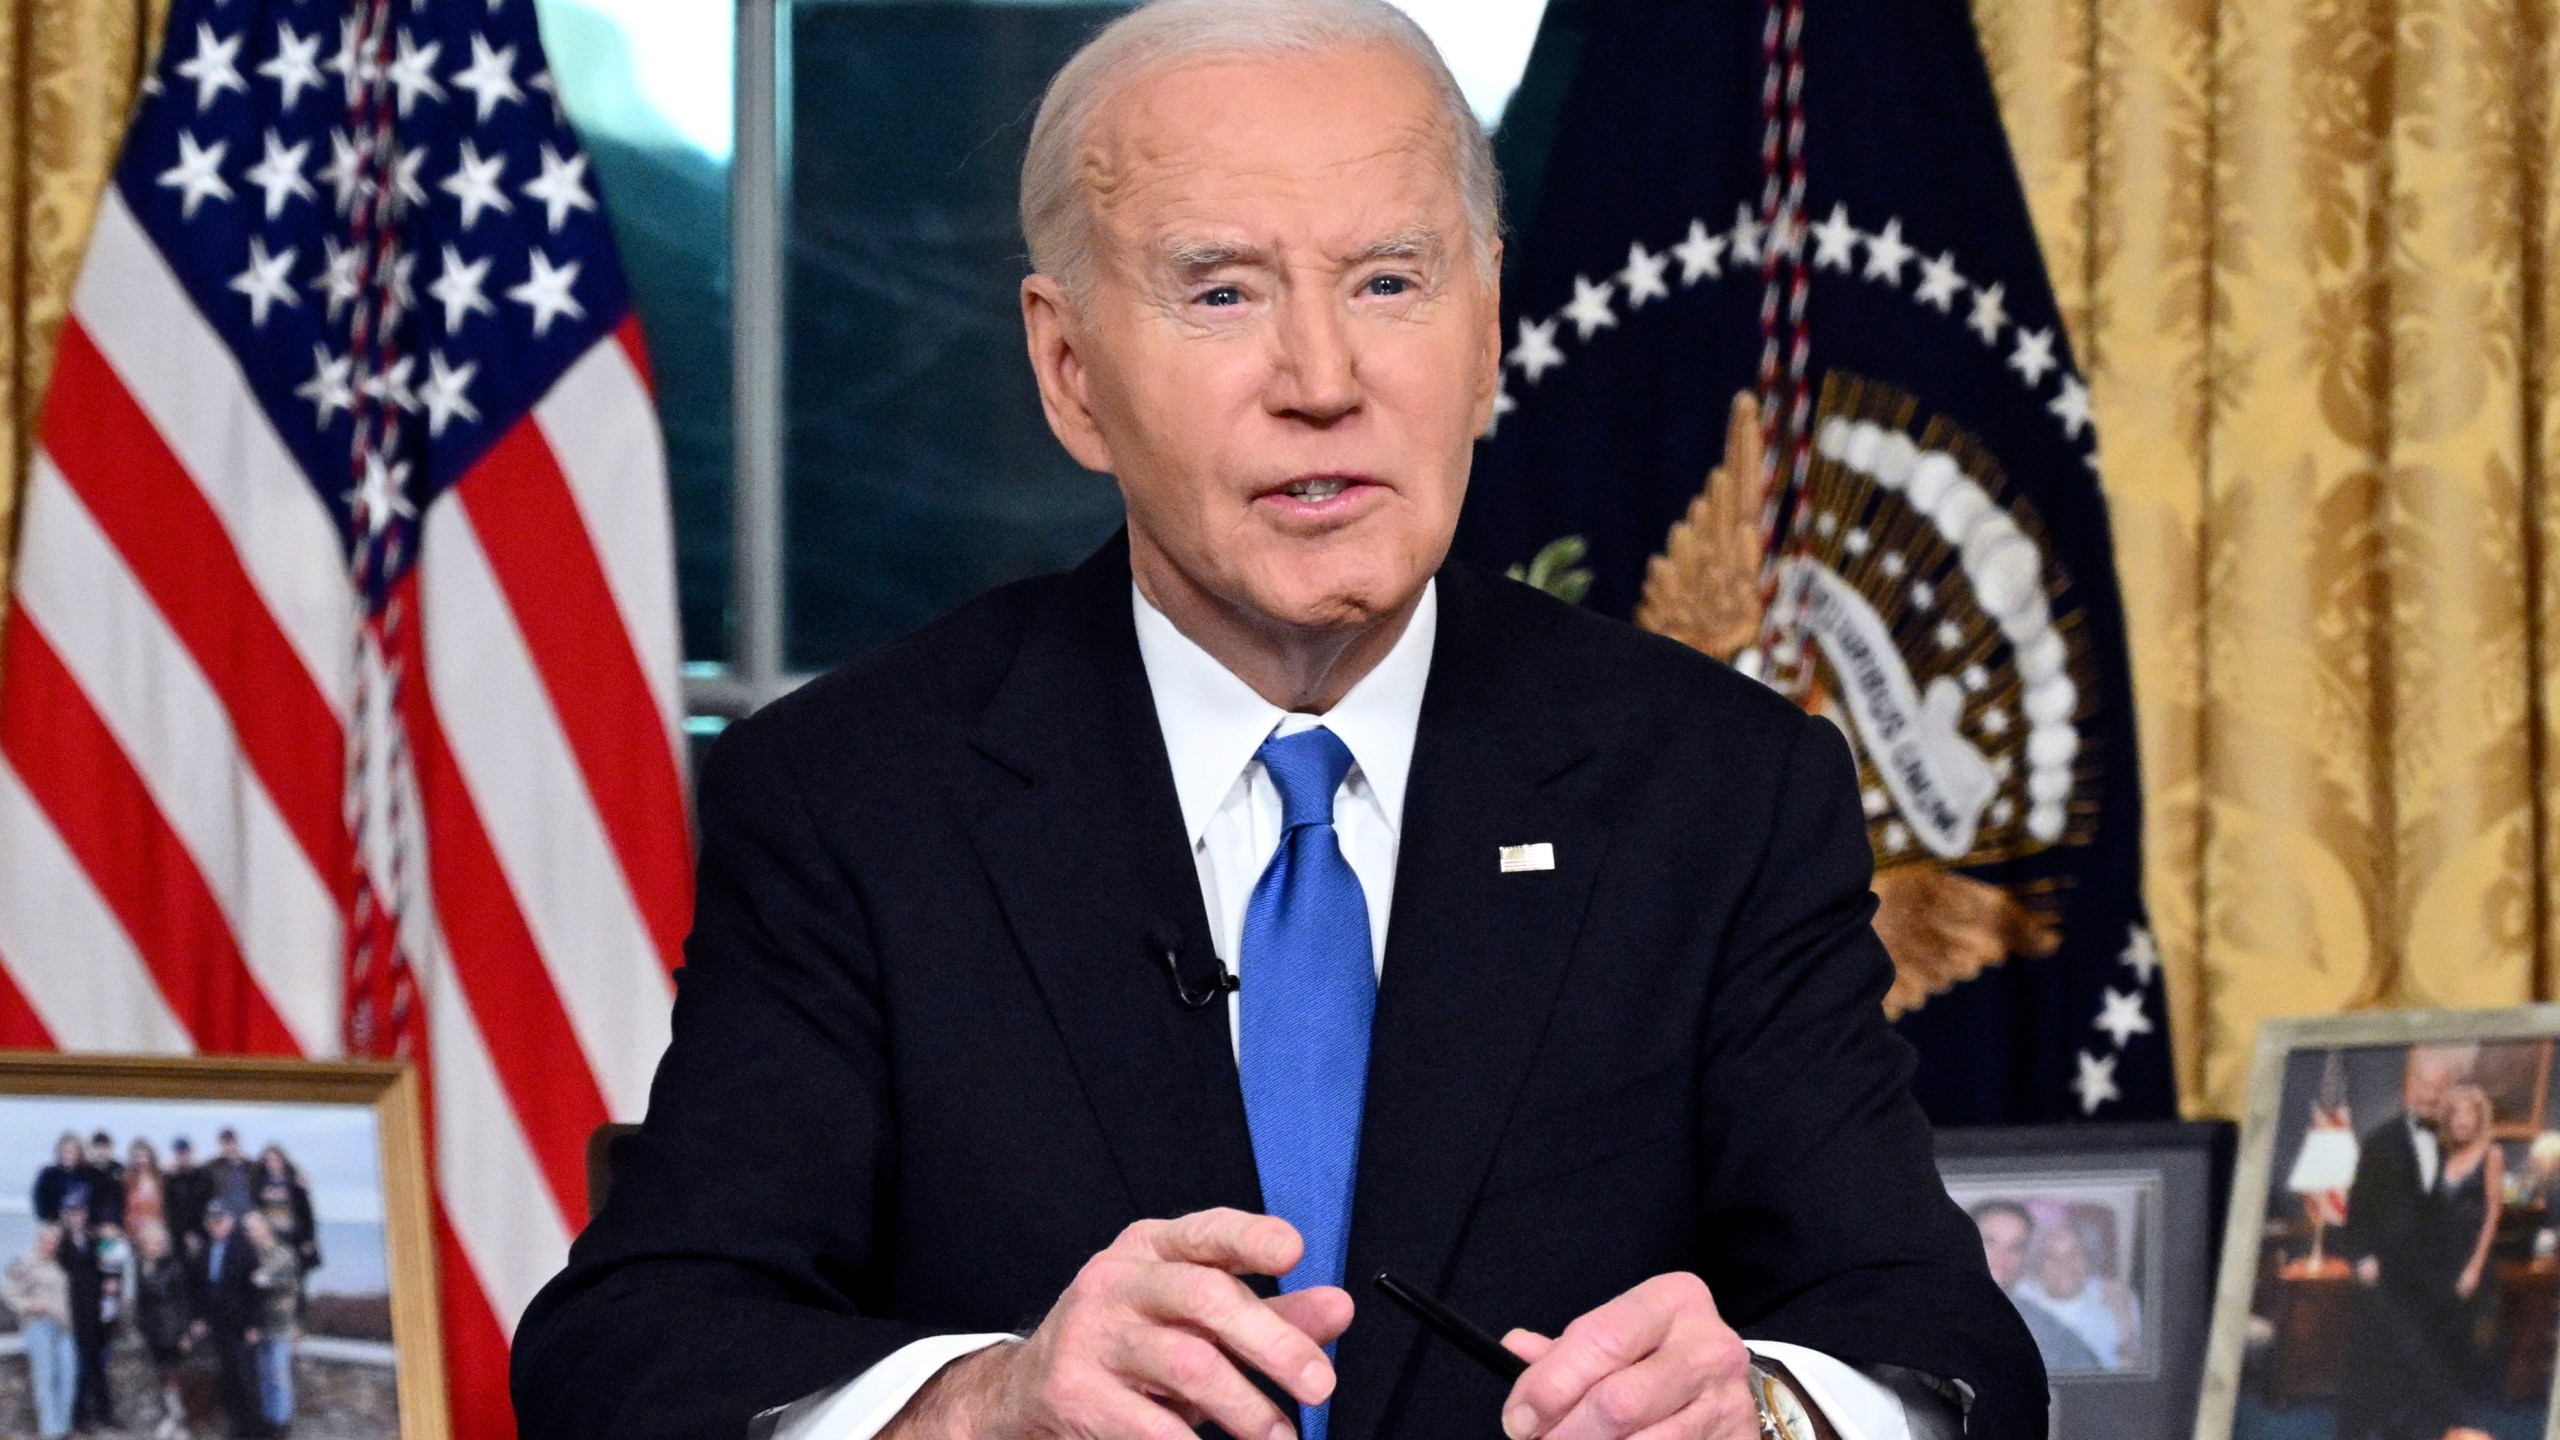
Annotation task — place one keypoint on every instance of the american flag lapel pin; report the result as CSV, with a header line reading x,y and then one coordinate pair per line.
x,y
1516,858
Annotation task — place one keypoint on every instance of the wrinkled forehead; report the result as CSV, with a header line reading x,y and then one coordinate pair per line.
x,y
2439,1064
1333,151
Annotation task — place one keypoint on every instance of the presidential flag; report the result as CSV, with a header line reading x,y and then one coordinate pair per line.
x,y
339,708
1813,206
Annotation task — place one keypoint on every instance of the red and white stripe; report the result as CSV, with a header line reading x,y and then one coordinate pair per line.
x,y
175,858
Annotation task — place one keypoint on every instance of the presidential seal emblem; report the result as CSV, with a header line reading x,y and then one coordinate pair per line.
x,y
1915,607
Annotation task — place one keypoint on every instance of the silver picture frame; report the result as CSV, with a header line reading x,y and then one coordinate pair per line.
x,y
2246,1349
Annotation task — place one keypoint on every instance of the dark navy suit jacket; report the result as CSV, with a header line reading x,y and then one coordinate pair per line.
x,y
926,1060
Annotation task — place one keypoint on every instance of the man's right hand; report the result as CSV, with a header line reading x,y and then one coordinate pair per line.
x,y
1153,1338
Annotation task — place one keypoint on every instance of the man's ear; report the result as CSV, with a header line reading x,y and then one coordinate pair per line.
x,y
1050,332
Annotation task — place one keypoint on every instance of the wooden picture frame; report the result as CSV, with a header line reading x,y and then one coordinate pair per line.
x,y
2301,1323
257,1096
2148,1198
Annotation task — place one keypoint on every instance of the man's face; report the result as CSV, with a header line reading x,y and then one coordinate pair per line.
x,y
2429,1076
217,1224
1286,348
230,1147
2004,1246
2065,1269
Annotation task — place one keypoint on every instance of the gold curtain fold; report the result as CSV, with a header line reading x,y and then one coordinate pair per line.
x,y
68,69
2304,251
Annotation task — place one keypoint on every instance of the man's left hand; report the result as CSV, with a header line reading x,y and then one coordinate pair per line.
x,y
1657,1362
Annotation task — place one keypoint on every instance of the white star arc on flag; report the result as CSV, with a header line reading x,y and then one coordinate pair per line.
x,y
2096,1084
1701,254
1643,276
2122,1016
2033,359
1939,283
1990,315
1835,241
1886,254
1590,312
1537,352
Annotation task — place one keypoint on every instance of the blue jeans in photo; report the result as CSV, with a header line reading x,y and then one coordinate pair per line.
x,y
275,1378
53,1367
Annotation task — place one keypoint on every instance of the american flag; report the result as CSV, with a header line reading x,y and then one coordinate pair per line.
x,y
339,708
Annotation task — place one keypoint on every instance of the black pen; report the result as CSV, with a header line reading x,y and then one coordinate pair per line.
x,y
1453,1327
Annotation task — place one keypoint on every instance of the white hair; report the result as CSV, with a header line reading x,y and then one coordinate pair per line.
x,y
1056,219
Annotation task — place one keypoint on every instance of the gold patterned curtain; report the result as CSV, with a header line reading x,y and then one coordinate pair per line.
x,y
2305,249
68,69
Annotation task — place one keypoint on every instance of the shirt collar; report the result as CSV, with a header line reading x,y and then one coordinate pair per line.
x,y
1213,722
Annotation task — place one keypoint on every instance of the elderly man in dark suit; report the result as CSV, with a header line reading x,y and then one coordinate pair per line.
x,y
1270,900
2396,1386
222,1289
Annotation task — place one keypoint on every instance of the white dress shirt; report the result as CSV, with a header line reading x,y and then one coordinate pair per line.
x,y
1213,724
2422,1138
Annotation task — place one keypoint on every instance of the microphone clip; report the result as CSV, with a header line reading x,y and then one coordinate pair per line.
x,y
1196,985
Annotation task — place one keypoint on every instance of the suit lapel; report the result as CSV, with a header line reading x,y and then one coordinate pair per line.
x,y
1474,957
1090,862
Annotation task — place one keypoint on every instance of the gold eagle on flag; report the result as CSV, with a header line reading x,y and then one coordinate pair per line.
x,y
1917,624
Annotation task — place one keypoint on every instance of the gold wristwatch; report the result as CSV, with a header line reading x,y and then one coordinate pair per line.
x,y
1784,1415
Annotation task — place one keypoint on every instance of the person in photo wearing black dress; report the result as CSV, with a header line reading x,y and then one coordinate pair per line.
x,y
2469,1194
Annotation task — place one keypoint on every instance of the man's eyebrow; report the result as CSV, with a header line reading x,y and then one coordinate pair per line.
x,y
1414,242
1192,256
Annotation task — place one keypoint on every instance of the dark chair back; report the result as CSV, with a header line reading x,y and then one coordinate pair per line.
x,y
600,1164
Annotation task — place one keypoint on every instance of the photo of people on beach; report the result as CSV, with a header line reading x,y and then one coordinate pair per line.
x,y
184,1269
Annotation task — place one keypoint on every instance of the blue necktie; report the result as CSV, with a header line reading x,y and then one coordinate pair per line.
x,y
1310,987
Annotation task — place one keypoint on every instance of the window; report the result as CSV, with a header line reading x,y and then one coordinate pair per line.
x,y
649,86
828,288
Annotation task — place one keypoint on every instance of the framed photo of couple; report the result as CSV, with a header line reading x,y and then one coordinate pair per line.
x,y
215,1246
2391,1268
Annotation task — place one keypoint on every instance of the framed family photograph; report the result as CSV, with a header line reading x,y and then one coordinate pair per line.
x,y
215,1247
2103,1237
2391,1269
